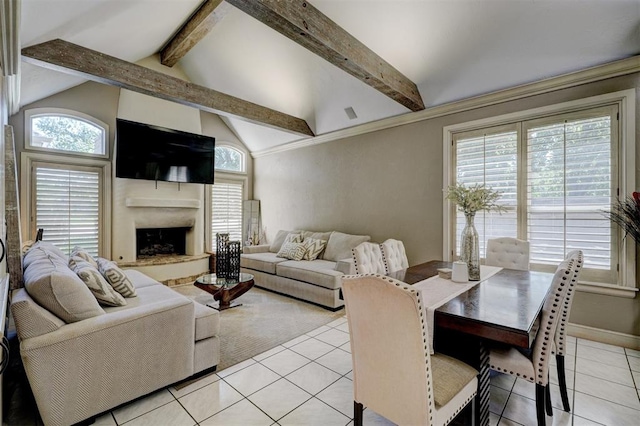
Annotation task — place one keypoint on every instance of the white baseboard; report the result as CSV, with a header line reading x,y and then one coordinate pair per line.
x,y
604,336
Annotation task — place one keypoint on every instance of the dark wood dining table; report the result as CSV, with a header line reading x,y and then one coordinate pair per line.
x,y
504,308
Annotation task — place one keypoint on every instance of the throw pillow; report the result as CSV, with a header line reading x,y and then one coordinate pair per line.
x,y
101,289
313,248
116,277
277,242
292,251
56,288
293,237
83,254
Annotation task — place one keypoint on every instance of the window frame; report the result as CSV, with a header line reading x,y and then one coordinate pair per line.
x,y
625,100
32,113
27,161
226,176
243,159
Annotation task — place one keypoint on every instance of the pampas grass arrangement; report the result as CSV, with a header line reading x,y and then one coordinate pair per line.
x,y
626,213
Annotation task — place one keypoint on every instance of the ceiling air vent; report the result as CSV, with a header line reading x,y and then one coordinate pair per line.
x,y
350,113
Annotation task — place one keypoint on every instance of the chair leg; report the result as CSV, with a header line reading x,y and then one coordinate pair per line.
x,y
357,413
547,400
562,381
540,391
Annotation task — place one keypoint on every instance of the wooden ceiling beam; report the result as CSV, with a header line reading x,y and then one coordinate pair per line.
x,y
307,26
69,58
197,26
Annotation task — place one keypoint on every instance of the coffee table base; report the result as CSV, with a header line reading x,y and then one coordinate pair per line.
x,y
225,307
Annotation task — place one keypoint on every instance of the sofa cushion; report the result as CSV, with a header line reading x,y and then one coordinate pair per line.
x,y
292,250
318,272
264,262
147,296
277,242
339,245
140,280
207,322
43,250
116,277
55,287
312,248
31,319
100,288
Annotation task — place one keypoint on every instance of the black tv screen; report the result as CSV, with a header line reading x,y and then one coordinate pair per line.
x,y
157,153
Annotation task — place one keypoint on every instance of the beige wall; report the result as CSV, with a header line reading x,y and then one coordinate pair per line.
x,y
388,184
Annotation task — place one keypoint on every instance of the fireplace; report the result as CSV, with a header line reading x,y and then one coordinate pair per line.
x,y
160,242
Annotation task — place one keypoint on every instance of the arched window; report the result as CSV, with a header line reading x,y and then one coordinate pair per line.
x,y
229,159
54,129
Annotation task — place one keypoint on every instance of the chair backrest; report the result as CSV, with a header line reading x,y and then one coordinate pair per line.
x,y
507,252
561,335
551,312
394,255
367,259
391,361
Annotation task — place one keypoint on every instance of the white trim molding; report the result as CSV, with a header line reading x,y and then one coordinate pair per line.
x,y
604,336
589,75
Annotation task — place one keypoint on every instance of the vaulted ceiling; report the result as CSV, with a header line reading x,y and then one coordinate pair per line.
x,y
450,49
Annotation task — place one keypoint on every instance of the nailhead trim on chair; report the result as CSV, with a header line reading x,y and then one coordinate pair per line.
x,y
545,342
417,296
560,341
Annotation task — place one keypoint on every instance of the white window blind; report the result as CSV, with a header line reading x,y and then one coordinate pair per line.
x,y
490,158
226,210
67,204
571,166
557,175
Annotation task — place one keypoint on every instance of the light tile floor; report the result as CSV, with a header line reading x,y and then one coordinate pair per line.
x,y
308,381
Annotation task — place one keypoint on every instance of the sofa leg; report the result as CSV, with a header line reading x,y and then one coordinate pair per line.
x,y
357,413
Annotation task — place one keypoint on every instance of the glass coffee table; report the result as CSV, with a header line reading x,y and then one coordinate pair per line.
x,y
225,290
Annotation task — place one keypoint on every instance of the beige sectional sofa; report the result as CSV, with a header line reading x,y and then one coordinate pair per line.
x,y
316,281
100,357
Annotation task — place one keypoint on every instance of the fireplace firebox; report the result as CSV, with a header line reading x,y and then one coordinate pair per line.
x,y
160,242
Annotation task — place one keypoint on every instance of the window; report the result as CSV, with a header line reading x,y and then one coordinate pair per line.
x,y
59,130
67,204
226,210
557,171
229,159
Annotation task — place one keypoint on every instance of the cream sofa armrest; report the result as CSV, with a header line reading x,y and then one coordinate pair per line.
x,y
109,359
346,266
262,248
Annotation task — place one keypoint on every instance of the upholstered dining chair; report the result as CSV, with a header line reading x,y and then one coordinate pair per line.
x,y
560,338
533,365
394,255
393,372
367,259
507,252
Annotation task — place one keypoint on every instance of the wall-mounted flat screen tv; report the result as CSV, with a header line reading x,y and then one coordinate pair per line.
x,y
156,153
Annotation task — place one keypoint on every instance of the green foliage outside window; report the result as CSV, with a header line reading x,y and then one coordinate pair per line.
x,y
67,134
228,159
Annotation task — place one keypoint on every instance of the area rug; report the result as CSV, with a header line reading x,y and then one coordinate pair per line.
x,y
264,321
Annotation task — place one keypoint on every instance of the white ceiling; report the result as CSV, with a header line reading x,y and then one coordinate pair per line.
x,y
451,49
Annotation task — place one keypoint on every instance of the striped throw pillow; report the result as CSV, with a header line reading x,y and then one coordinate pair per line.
x,y
313,248
116,277
101,289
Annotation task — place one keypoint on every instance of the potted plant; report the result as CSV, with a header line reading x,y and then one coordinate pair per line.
x,y
470,200
626,213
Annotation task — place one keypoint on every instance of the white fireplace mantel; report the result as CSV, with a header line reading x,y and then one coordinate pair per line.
x,y
163,202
